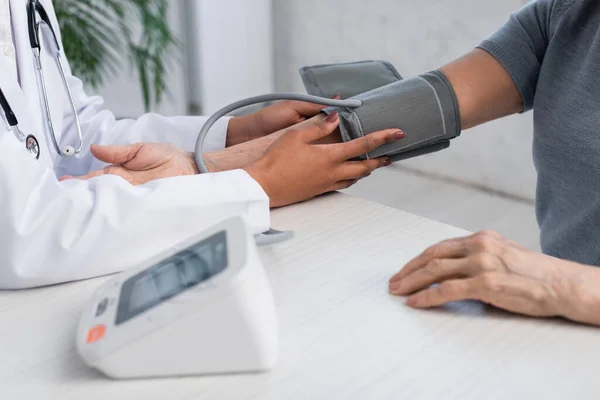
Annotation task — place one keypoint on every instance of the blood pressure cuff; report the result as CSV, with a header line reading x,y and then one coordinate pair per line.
x,y
348,79
424,107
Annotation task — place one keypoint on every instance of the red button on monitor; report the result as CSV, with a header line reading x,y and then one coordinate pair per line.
x,y
96,333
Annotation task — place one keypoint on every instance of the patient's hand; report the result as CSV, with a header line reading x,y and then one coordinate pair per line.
x,y
142,162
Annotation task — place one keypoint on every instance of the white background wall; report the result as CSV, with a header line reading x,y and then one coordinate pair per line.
x,y
226,54
415,36
229,51
123,95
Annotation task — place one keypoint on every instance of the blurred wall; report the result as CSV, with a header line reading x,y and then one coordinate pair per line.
x,y
415,36
225,54
123,95
229,49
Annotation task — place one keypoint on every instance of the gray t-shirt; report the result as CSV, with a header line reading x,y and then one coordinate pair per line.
x,y
551,48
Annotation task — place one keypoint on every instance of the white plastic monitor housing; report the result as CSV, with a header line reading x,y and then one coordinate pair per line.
x,y
225,324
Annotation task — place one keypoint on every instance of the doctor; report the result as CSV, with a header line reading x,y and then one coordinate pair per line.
x,y
57,230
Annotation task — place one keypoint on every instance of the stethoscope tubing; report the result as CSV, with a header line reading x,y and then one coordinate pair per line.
x,y
34,7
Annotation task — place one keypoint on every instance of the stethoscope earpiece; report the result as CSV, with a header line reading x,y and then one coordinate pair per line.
x,y
69,151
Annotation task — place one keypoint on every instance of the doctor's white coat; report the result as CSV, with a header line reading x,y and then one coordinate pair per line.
x,y
53,232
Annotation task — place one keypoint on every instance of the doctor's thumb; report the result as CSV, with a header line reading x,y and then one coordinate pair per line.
x,y
114,154
319,127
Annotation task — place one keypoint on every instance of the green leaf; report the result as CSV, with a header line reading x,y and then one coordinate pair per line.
x,y
98,40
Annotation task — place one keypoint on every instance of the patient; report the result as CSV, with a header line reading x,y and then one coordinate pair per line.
x,y
544,58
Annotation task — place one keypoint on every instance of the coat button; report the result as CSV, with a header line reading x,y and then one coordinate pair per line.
x,y
9,51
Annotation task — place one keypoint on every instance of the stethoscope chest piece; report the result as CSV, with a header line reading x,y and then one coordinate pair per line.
x,y
32,145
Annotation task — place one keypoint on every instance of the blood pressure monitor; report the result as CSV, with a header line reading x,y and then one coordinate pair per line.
x,y
205,307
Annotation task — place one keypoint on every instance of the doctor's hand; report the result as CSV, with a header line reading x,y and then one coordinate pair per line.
x,y
296,167
273,119
497,271
142,162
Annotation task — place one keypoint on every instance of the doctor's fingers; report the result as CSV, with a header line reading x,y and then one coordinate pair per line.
x,y
302,108
341,185
367,144
317,127
360,169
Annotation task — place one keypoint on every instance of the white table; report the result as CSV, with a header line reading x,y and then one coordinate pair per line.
x,y
342,335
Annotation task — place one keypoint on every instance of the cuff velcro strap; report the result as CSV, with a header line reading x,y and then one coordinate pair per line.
x,y
420,151
348,79
424,107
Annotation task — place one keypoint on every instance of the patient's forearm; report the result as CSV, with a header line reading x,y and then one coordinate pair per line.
x,y
238,156
485,91
432,108
241,155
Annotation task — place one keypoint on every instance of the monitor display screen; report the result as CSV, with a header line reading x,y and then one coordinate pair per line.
x,y
172,276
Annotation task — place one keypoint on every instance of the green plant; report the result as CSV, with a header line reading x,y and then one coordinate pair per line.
x,y
100,35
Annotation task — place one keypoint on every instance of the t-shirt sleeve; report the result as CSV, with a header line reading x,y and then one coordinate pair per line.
x,y
521,43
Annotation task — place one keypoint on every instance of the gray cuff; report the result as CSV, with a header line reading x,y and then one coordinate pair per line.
x,y
424,107
348,79
421,151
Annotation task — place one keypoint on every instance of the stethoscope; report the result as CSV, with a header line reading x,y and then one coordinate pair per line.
x,y
35,8
31,143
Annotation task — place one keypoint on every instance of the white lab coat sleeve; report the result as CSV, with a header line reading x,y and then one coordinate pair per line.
x,y
99,126
55,232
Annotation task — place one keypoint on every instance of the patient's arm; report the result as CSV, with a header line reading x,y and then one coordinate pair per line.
x,y
484,89
242,155
238,156
432,108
